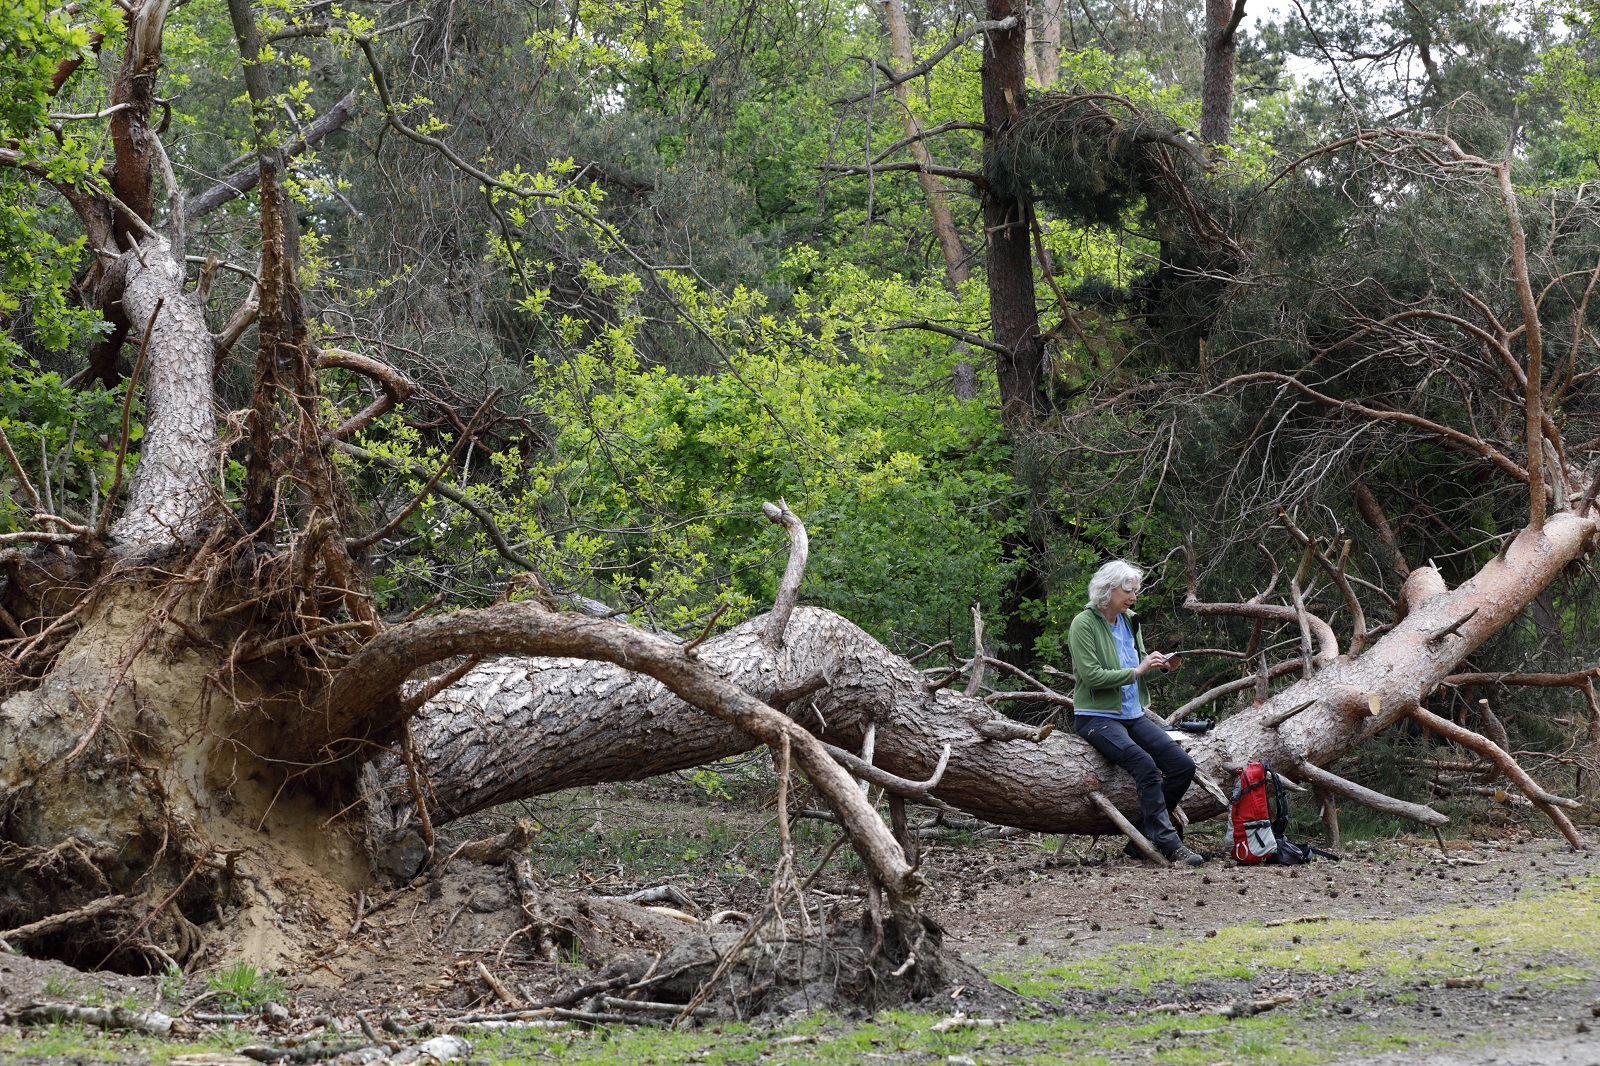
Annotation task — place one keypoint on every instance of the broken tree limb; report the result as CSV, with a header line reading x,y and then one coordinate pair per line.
x,y
1446,630
793,573
363,699
979,659
1550,804
1332,782
1118,819
897,786
396,387
1336,571
1276,719
1302,616
1008,729
1288,666
1327,640
152,1021
65,920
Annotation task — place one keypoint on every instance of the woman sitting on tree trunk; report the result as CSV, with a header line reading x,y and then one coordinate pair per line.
x,y
1110,699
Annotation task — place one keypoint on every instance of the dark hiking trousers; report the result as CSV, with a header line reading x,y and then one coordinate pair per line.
x,y
1160,767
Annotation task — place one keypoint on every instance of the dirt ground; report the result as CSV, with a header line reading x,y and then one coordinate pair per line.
x,y
1066,931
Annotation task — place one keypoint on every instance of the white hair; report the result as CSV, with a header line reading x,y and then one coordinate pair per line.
x,y
1118,573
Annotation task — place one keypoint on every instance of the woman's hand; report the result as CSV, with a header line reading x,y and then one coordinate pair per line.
x,y
1154,661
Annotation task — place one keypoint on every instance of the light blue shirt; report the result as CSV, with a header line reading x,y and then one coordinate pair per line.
x,y
1128,659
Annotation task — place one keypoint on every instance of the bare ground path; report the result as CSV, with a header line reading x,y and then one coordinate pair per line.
x,y
1487,953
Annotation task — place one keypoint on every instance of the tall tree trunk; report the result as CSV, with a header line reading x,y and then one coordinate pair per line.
x,y
944,226
1030,46
1014,319
1222,49
1047,43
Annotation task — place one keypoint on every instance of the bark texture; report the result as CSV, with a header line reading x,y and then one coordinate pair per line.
x,y
177,458
944,225
1014,317
1222,50
578,723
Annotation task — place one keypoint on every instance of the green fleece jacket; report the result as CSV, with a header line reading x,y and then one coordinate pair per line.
x,y
1097,670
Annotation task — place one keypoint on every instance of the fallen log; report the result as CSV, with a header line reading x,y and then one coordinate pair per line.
x,y
578,722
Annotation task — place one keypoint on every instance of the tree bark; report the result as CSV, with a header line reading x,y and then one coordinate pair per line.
x,y
1222,49
578,723
944,226
1014,318
171,486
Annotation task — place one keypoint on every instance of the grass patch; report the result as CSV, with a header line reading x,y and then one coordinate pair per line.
x,y
1555,933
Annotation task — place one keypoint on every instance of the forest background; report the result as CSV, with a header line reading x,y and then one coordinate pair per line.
x,y
732,289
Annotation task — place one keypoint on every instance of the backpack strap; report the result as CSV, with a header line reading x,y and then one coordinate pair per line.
x,y
1280,801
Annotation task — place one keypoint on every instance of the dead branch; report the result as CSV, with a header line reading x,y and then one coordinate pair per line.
x,y
1465,441
973,176
152,1022
1372,513
1550,804
962,335
22,475
491,851
1452,627
362,700
248,174
1331,781
793,573
242,320
1336,571
65,920
975,682
1288,666
898,786
397,388
1327,641
1273,721
1577,679
1297,599
1533,387
891,78
1139,840
435,685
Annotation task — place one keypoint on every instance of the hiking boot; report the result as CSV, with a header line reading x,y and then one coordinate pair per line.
x,y
1131,850
1186,855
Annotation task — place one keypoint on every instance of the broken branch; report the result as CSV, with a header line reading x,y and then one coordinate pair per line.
x,y
793,573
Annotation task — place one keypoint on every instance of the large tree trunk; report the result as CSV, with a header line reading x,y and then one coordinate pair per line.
x,y
1047,42
1013,315
519,727
944,225
172,484
1222,50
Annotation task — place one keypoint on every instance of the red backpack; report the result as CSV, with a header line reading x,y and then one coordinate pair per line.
x,y
1258,831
